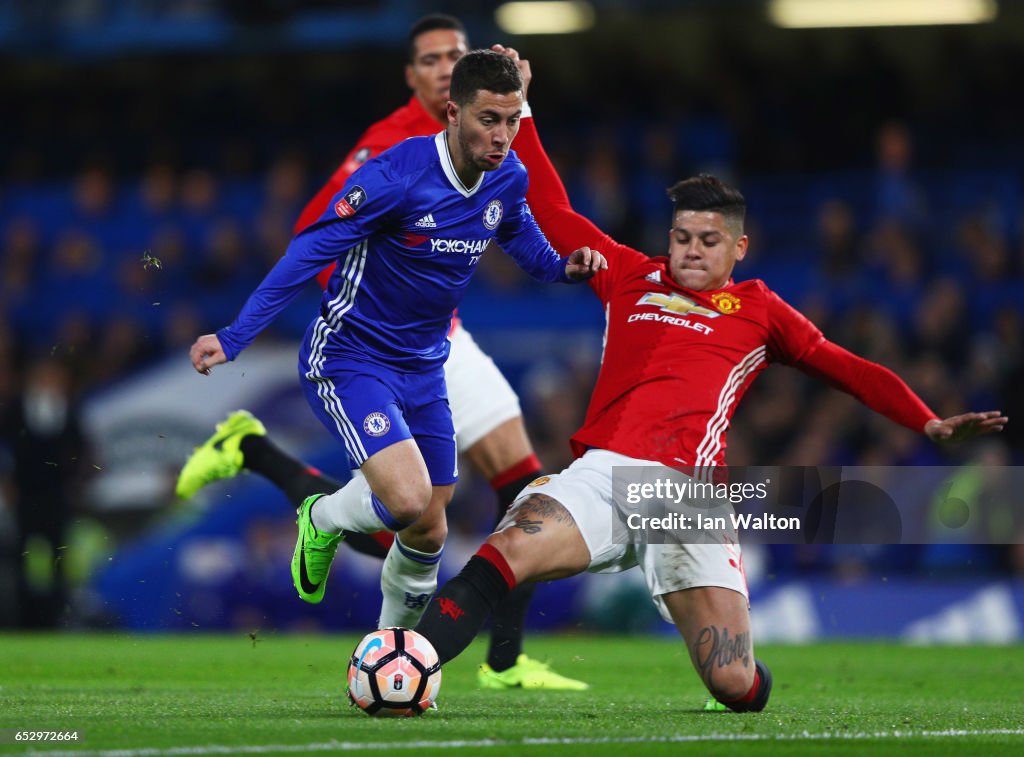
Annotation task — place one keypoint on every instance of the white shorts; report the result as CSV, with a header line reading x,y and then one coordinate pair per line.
x,y
585,490
480,397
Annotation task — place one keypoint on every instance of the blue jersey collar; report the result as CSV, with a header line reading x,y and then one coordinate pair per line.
x,y
441,141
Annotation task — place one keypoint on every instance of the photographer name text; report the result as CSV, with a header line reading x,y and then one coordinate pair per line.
x,y
698,522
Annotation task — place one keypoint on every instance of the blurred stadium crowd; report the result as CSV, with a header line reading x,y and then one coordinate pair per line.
x,y
138,214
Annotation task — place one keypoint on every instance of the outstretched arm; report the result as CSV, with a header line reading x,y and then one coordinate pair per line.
x,y
519,236
886,393
307,254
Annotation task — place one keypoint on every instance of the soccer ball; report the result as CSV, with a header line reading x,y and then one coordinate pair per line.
x,y
394,673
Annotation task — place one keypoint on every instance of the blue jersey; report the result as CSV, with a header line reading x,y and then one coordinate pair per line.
x,y
406,235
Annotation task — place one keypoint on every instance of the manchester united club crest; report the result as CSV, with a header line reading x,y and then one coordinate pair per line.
x,y
726,302
492,214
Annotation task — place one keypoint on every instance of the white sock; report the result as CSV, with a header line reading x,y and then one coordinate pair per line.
x,y
408,580
352,508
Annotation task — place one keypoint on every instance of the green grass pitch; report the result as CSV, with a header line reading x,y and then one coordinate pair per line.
x,y
156,696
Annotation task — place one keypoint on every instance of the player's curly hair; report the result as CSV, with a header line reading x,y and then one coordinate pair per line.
x,y
429,23
707,192
483,70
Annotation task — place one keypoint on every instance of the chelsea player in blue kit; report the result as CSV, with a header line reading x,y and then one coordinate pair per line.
x,y
407,231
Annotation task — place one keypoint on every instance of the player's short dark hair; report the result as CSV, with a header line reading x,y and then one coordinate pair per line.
x,y
429,23
483,69
706,192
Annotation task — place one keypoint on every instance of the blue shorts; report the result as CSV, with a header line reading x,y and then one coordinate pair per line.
x,y
368,407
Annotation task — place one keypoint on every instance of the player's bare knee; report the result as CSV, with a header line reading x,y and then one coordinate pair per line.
x,y
408,500
539,540
426,536
505,542
405,510
518,555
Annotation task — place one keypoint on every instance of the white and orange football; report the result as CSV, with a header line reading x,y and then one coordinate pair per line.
x,y
394,672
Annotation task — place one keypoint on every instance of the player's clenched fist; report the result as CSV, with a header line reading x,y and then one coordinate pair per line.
x,y
206,353
584,263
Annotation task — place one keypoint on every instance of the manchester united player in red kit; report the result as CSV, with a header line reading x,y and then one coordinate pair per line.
x,y
684,342
485,410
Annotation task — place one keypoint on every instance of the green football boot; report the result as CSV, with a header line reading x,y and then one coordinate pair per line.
x,y
314,553
713,705
527,673
220,456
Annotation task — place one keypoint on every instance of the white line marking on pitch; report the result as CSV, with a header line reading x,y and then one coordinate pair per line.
x,y
351,746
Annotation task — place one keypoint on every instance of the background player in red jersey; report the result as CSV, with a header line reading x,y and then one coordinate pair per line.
x,y
684,342
485,410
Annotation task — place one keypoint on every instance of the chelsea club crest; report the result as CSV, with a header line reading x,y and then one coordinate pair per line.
x,y
492,214
376,424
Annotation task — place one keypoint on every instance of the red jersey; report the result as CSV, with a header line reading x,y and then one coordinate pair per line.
x,y
677,361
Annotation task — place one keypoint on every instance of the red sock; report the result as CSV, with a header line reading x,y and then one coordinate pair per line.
x,y
528,466
495,558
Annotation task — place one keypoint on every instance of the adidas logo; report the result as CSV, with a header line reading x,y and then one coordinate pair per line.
x,y
427,222
654,278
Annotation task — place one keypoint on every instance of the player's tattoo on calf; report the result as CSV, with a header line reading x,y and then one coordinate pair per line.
x,y
531,513
714,649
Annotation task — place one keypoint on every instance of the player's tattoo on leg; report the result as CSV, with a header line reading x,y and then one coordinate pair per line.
x,y
528,526
714,649
530,514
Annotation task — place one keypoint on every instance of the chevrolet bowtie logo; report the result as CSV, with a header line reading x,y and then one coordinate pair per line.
x,y
677,304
